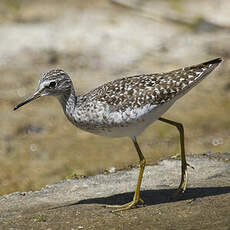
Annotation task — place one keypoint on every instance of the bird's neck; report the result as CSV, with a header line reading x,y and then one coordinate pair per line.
x,y
68,101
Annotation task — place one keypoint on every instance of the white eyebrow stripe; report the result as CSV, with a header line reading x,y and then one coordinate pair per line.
x,y
44,84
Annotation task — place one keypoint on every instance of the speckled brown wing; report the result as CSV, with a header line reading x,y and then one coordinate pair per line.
x,y
152,89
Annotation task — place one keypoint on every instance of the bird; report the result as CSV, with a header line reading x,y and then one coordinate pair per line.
x,y
125,107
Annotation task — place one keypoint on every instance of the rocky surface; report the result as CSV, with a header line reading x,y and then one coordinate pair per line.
x,y
80,203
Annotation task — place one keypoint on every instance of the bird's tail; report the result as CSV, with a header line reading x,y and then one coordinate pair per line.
x,y
188,77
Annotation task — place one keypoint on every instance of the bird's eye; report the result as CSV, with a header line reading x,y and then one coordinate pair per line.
x,y
52,84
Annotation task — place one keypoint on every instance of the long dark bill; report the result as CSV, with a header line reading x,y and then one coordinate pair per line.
x,y
29,99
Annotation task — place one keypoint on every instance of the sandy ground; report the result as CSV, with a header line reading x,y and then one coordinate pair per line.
x,y
80,204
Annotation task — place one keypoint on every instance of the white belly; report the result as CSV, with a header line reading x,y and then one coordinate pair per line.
x,y
135,124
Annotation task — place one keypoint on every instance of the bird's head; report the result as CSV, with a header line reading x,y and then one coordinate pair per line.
x,y
53,83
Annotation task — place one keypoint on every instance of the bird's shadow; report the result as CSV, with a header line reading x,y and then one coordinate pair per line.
x,y
153,197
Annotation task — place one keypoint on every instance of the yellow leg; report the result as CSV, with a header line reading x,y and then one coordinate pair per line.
x,y
136,197
184,164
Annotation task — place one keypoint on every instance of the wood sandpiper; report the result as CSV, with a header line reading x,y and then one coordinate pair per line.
x,y
125,107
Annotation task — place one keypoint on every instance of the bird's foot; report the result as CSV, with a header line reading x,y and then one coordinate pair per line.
x,y
184,180
126,206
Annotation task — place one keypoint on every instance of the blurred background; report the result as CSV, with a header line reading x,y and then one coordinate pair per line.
x,y
98,41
